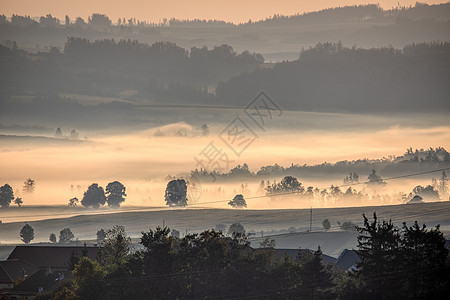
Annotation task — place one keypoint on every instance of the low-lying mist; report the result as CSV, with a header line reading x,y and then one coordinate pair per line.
x,y
142,159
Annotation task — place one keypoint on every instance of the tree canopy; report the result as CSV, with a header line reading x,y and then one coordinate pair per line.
x,y
27,233
94,196
6,195
409,263
238,201
115,194
66,236
288,185
176,191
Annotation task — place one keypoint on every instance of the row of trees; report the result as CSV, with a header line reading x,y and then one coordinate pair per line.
x,y
95,21
316,80
351,14
418,160
160,70
65,236
290,187
95,196
176,195
7,193
407,263
411,262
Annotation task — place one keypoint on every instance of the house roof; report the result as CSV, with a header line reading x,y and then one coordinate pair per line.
x,y
347,259
53,256
294,252
43,279
16,269
4,277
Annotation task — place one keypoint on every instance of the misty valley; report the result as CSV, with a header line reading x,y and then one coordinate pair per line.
x,y
301,156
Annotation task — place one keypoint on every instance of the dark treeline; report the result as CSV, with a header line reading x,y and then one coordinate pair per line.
x,y
358,13
355,13
162,60
370,26
106,67
329,77
395,263
413,161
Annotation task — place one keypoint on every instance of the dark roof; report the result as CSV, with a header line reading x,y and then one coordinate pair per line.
x,y
294,252
53,256
16,269
347,259
4,277
44,279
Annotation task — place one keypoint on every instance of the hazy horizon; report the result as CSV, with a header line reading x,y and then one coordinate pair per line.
x,y
151,11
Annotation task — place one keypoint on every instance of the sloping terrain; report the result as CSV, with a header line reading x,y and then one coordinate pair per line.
x,y
272,222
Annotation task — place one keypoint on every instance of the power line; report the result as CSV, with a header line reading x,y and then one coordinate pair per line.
x,y
338,186
224,200
338,228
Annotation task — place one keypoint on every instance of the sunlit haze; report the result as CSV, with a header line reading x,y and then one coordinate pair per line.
x,y
155,11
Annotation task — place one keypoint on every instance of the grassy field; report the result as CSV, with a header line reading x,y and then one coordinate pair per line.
x,y
275,223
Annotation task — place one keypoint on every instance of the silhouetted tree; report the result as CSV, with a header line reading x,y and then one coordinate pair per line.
x,y
267,243
52,238
79,21
375,179
27,234
378,248
326,224
99,21
205,130
288,185
66,236
115,192
58,133
175,194
73,260
236,228
101,234
48,20
416,199
73,202
29,185
6,195
115,247
316,279
428,193
88,277
18,201
347,226
238,201
352,178
158,257
425,268
240,171
443,186
74,135
94,196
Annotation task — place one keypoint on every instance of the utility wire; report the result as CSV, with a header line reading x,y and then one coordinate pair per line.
x,y
338,186
224,200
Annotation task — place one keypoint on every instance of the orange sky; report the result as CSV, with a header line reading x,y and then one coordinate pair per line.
x,y
151,10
